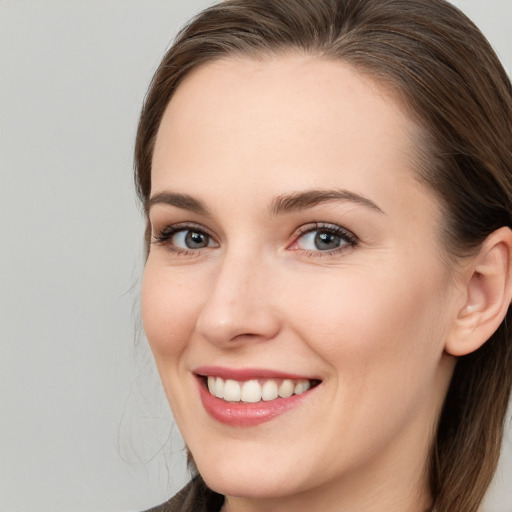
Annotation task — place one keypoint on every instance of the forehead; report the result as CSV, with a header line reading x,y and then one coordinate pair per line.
x,y
293,120
300,91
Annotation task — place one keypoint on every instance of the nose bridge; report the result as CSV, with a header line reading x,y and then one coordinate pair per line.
x,y
239,303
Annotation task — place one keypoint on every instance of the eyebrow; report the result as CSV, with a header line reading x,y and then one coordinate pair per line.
x,y
183,201
282,204
307,199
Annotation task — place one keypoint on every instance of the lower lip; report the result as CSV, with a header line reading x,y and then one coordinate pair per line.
x,y
241,414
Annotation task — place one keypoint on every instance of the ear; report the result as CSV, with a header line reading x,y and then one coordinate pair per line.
x,y
487,292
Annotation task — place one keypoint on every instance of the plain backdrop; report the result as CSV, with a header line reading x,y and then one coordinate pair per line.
x,y
83,423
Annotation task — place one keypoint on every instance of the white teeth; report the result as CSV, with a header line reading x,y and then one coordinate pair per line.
x,y
301,386
232,391
251,391
286,388
211,385
219,388
269,390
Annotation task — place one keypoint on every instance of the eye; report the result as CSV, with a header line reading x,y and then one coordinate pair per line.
x,y
323,238
184,238
319,241
191,239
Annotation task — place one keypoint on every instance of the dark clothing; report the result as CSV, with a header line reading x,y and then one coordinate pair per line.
x,y
195,497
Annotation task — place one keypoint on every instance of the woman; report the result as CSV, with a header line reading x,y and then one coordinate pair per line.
x,y
328,193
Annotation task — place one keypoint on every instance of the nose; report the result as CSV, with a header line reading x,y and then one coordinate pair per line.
x,y
239,305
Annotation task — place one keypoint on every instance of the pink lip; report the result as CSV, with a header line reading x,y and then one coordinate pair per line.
x,y
246,373
245,414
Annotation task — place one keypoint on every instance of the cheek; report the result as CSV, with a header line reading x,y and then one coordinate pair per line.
x,y
365,320
168,312
383,343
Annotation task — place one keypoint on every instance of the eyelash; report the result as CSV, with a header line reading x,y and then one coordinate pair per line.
x,y
164,236
333,229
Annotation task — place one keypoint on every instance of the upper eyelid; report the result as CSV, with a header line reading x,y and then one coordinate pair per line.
x,y
183,226
319,226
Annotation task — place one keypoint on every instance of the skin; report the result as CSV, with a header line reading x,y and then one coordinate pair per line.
x,y
370,320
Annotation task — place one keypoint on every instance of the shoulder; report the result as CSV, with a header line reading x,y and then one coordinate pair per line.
x,y
194,497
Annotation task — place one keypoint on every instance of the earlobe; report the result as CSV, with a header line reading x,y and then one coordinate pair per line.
x,y
488,293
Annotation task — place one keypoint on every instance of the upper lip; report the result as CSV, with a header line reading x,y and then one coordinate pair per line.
x,y
244,374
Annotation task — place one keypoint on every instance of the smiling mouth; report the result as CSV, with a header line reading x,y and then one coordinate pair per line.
x,y
256,390
251,396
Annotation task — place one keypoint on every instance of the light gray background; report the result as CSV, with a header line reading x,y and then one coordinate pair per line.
x,y
83,423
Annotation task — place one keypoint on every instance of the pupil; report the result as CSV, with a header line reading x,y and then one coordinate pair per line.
x,y
325,241
195,240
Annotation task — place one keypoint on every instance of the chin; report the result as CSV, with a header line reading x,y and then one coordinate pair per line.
x,y
241,480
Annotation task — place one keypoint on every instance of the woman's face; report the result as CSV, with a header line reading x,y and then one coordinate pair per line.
x,y
292,246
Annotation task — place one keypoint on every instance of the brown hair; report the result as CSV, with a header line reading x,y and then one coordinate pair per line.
x,y
449,77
